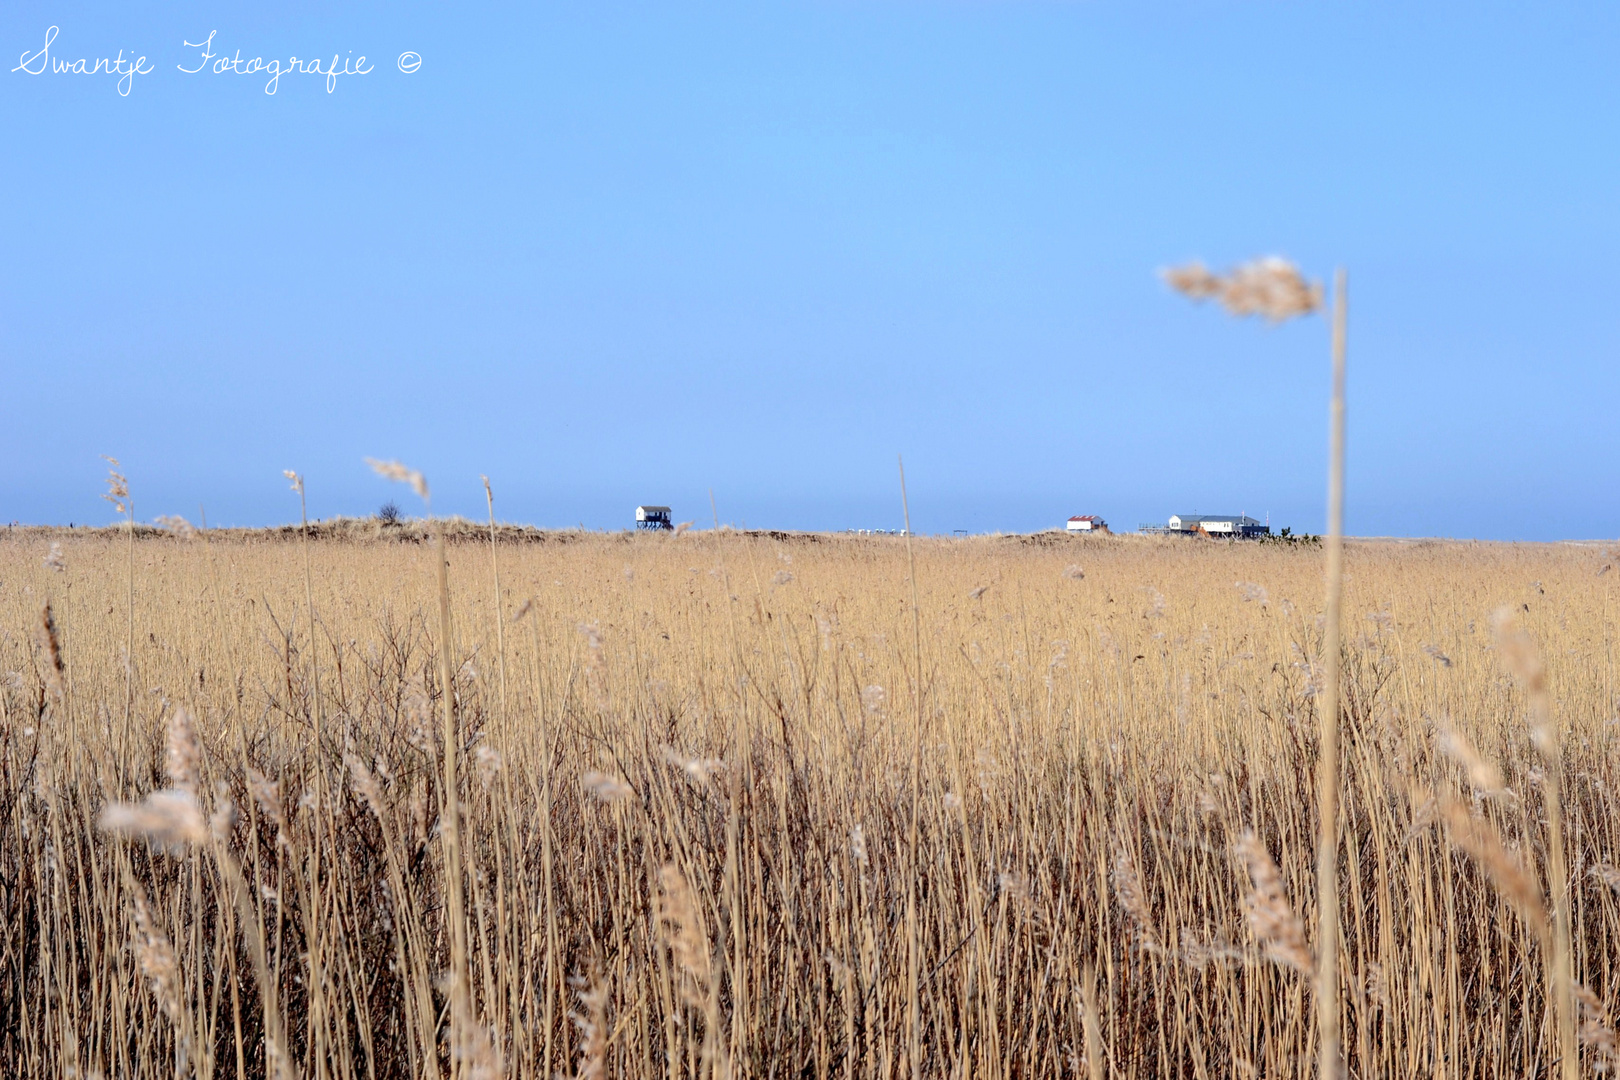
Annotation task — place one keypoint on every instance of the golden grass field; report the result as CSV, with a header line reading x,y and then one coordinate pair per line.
x,y
710,822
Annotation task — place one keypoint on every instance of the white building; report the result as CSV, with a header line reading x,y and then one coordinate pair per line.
x,y
1087,523
1219,524
653,517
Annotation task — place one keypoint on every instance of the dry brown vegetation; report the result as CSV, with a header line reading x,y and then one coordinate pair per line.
x,y
709,821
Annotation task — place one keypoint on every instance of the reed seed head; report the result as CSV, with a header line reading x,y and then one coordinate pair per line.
x,y
699,769
1518,651
1132,895
487,764
177,525
683,930
1512,878
365,783
1254,594
394,470
1595,1031
1271,917
158,962
117,485
184,752
1481,773
170,819
607,789
1272,288
267,793
591,1021
50,644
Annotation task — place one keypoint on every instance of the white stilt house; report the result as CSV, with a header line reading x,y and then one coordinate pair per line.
x,y
653,517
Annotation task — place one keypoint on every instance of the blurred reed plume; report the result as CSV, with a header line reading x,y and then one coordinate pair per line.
x,y
162,973
50,645
177,525
1272,288
608,789
1479,838
1271,917
394,470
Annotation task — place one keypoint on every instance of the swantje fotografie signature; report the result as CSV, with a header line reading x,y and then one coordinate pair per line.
x,y
206,61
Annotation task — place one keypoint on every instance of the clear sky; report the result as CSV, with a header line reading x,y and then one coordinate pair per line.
x,y
618,253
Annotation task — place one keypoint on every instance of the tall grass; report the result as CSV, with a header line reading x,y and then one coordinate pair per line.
x,y
727,766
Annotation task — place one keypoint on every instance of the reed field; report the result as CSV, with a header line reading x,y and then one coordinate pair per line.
x,y
727,804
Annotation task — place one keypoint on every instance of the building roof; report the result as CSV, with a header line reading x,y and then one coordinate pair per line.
x,y
1085,517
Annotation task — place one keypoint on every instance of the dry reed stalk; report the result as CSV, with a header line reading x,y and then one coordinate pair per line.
x,y
450,809
1093,1025
495,577
118,494
279,1062
553,966
475,1054
407,953
488,762
316,919
913,847
297,482
1329,1059
1521,657
739,781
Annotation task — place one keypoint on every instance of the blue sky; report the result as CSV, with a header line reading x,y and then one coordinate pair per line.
x,y
611,254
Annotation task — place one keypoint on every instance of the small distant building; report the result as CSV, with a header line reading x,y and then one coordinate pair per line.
x,y
1219,524
653,517
1087,523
